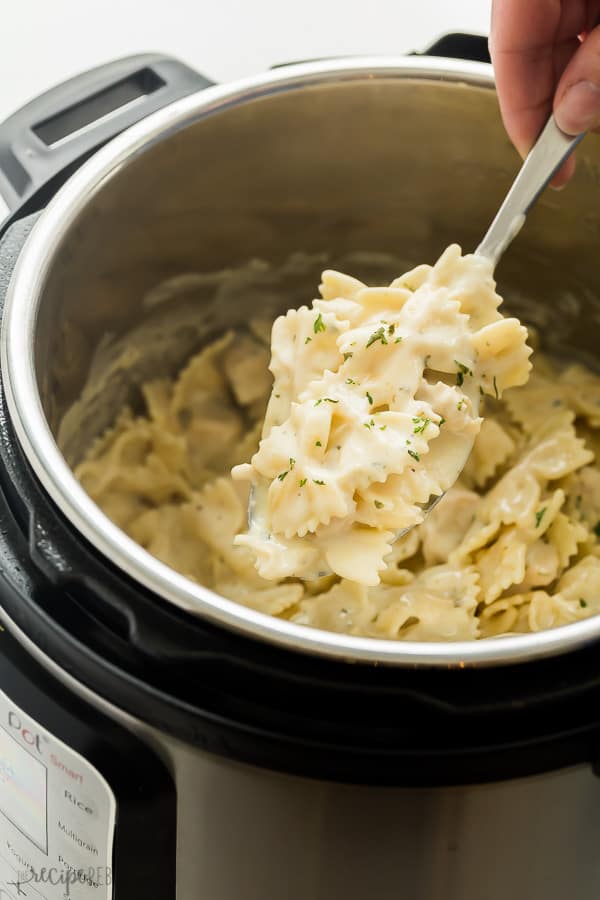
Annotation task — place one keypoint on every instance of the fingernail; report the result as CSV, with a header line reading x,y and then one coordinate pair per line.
x,y
557,188
579,108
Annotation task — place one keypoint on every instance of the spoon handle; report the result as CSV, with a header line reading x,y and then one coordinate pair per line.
x,y
547,155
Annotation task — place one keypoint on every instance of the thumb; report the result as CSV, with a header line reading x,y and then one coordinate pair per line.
x,y
577,98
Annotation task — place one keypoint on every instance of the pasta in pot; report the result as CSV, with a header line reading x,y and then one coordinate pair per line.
x,y
512,547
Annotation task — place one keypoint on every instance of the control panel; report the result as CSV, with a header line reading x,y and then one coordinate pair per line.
x,y
57,816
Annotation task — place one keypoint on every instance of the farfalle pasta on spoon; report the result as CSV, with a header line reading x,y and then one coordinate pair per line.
x,y
373,412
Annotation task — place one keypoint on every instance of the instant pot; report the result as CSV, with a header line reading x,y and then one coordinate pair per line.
x,y
157,740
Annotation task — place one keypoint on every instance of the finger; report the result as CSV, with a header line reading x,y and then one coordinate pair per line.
x,y
564,174
530,45
571,21
522,51
593,16
577,101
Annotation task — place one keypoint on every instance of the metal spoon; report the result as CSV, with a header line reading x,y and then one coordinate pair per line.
x,y
547,155
542,162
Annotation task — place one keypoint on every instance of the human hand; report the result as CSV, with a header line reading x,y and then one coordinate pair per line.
x,y
546,57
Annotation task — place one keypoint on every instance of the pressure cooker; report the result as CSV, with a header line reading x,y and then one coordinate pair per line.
x,y
157,740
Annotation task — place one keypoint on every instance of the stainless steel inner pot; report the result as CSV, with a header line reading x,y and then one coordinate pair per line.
x,y
396,157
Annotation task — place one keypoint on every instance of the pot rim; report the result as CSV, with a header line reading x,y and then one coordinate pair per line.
x,y
38,443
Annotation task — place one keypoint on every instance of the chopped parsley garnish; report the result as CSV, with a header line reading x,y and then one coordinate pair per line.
x,y
292,463
317,481
414,455
282,475
318,444
318,324
319,401
370,424
441,422
302,482
369,398
382,427
391,329
351,381
307,340
329,400
462,371
278,396
582,603
347,356
378,504
398,340
377,336
597,529
420,424
495,387
460,404
539,516
462,368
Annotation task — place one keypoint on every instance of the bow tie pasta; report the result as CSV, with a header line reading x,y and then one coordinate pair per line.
x,y
513,546
374,410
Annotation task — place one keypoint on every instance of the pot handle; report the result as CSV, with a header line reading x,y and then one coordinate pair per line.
x,y
46,140
458,45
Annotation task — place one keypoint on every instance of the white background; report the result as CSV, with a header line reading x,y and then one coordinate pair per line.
x,y
45,41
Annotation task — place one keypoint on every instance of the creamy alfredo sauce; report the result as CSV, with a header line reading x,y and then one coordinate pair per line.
x,y
373,412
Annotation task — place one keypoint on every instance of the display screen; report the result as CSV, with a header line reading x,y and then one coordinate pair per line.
x,y
102,103
23,790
